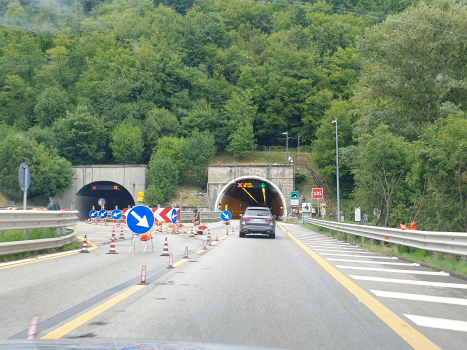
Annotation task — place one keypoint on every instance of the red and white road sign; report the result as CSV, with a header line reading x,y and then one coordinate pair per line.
x,y
160,214
317,193
163,214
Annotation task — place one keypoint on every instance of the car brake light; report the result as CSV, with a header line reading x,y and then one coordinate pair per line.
x,y
246,219
269,219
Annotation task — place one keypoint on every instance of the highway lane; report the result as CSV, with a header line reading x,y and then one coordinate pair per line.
x,y
249,291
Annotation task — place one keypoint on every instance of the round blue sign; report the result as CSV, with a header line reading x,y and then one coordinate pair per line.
x,y
226,215
116,214
93,214
103,214
174,216
139,219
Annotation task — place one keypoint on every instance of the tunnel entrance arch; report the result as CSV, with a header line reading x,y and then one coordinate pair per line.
x,y
113,193
239,198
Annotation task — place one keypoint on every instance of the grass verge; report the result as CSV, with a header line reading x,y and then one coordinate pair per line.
x,y
447,262
36,253
18,235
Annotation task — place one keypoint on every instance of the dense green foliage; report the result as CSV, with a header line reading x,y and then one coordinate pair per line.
x,y
168,83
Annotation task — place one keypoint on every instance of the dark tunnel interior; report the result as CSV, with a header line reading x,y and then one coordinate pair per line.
x,y
254,193
114,194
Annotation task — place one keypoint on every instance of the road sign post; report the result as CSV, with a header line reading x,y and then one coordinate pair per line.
x,y
24,176
116,214
226,215
139,220
317,193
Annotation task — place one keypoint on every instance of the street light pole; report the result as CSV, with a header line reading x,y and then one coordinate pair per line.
x,y
337,174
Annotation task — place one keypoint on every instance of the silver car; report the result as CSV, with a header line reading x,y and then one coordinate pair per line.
x,y
258,220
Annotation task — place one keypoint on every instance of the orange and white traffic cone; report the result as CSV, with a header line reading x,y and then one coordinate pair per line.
x,y
165,252
121,234
84,248
191,233
112,247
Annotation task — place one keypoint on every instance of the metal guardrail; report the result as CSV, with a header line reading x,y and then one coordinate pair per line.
x,y
36,244
438,242
205,215
29,219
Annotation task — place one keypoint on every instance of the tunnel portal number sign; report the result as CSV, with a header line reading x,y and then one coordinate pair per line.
x,y
140,219
317,193
294,195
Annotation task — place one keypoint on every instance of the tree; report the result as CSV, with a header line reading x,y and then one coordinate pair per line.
x,y
172,148
81,137
414,63
199,149
16,102
127,144
242,141
50,173
51,105
380,167
162,178
159,123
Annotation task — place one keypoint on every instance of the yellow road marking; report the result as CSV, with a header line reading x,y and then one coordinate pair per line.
x,y
415,339
66,328
178,263
93,246
201,251
213,243
224,237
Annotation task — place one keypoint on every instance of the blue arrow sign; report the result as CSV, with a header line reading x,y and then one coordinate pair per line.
x,y
103,214
116,214
226,215
93,214
139,219
174,216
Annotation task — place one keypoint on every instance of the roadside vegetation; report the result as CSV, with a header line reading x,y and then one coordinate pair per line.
x,y
33,254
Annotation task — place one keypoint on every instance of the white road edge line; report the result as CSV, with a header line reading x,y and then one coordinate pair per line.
x,y
361,256
344,250
373,262
419,297
417,283
440,323
312,246
415,272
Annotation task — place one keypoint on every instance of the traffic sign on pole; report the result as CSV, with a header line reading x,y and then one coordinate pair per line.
x,y
24,176
294,195
93,214
116,214
139,219
317,193
174,215
103,214
226,215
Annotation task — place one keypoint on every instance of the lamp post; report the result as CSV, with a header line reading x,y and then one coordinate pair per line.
x,y
287,145
337,174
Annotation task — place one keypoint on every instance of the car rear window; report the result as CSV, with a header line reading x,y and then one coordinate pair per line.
x,y
257,212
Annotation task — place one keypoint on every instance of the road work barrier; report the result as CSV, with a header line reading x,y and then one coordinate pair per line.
x,y
437,242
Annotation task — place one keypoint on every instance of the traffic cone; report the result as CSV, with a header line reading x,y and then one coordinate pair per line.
x,y
84,248
191,233
204,246
217,237
165,252
121,234
112,247
209,237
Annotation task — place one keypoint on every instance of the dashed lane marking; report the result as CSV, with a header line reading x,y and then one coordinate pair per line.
x,y
440,323
360,256
417,283
374,262
420,297
415,272
414,338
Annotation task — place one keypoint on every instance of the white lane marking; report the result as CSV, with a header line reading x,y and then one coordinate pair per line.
x,y
361,256
345,250
38,258
312,246
320,239
373,262
328,243
415,272
440,323
417,283
419,297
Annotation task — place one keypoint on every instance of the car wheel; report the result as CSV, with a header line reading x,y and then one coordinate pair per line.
x,y
272,236
241,234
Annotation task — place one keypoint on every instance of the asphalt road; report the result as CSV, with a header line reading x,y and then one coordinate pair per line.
x,y
248,291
